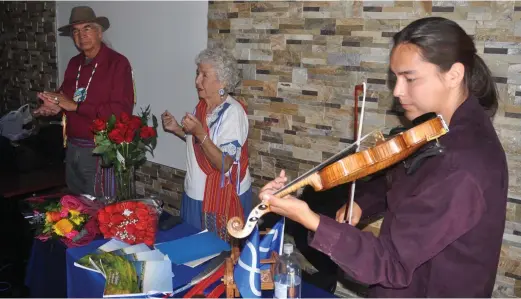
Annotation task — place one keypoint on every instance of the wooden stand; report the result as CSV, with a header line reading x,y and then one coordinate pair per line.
x,y
266,275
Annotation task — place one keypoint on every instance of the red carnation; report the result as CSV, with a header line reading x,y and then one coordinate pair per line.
x,y
131,229
110,209
136,227
104,228
147,132
142,213
119,208
103,217
117,218
140,234
132,217
141,225
113,230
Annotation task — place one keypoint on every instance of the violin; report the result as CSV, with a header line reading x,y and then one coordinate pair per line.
x,y
337,170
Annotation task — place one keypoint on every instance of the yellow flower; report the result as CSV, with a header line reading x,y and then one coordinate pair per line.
x,y
74,213
62,227
57,231
77,219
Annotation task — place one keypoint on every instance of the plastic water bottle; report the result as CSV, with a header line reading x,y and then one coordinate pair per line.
x,y
287,275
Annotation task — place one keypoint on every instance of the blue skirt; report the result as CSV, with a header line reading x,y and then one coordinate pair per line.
x,y
192,210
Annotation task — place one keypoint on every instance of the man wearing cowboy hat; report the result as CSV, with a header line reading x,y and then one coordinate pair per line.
x,y
97,83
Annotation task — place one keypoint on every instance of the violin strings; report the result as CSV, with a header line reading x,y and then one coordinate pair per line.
x,y
359,133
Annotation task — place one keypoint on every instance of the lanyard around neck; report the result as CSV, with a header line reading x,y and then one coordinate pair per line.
x,y
91,75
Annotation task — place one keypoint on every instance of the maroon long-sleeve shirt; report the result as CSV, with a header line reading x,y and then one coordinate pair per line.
x,y
111,90
443,225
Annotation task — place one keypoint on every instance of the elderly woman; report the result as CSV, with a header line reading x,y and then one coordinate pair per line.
x,y
217,184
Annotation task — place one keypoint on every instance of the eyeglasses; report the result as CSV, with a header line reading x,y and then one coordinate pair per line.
x,y
87,29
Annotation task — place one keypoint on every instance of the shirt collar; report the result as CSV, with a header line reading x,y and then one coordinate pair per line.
x,y
467,111
101,56
218,108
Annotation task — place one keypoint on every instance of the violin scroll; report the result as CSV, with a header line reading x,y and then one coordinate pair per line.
x,y
238,229
235,227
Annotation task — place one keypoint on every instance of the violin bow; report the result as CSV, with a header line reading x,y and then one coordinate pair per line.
x,y
239,228
357,141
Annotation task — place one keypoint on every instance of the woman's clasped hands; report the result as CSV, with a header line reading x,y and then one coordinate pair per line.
x,y
189,124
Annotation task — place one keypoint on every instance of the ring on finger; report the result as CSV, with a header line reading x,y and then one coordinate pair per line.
x,y
56,100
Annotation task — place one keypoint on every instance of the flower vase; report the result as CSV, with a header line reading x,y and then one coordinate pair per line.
x,y
126,184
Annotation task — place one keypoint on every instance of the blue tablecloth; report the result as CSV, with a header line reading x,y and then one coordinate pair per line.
x,y
46,271
51,273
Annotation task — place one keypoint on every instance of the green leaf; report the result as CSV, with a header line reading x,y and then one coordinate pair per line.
x,y
106,161
111,156
111,122
101,149
106,142
154,121
98,138
154,143
141,145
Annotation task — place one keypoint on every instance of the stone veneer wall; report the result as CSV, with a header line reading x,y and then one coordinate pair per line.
x,y
301,61
27,52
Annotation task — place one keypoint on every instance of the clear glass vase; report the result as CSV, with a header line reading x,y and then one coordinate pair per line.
x,y
126,184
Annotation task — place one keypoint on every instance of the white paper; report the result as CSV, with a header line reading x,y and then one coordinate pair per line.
x,y
196,263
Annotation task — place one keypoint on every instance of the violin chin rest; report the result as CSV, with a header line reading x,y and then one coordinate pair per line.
x,y
423,118
416,160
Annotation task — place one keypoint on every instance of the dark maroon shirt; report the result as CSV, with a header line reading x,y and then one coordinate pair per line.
x,y
443,225
111,90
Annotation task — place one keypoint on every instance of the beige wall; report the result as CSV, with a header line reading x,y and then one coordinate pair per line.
x,y
301,61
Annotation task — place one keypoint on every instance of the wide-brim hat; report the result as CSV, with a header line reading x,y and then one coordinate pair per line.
x,y
84,14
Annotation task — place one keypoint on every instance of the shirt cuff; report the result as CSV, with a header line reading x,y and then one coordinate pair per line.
x,y
328,234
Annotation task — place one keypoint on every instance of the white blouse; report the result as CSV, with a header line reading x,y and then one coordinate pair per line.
x,y
228,125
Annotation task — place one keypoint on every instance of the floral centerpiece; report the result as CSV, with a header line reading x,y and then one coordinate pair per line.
x,y
131,221
71,219
123,143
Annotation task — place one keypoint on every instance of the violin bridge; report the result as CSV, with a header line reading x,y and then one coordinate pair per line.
x,y
379,137
436,136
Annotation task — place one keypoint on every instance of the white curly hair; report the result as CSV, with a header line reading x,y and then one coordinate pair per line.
x,y
225,66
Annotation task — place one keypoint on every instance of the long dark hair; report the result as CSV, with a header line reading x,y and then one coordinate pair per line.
x,y
443,42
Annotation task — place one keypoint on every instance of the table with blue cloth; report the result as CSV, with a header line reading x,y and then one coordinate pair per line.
x,y
80,283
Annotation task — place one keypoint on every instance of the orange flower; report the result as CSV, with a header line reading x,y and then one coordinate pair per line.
x,y
63,227
52,216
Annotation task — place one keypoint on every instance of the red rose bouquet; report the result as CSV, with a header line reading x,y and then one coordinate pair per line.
x,y
131,221
70,219
123,143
